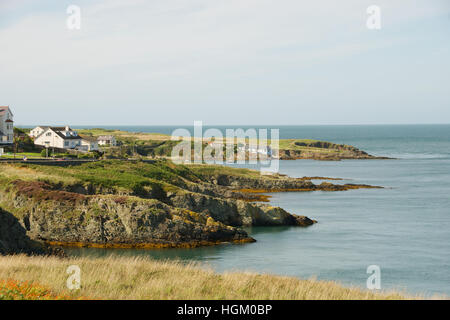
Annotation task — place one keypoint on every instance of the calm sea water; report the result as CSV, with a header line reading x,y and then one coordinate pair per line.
x,y
404,228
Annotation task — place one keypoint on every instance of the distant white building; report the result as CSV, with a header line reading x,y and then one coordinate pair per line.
x,y
255,149
58,137
88,144
107,140
6,126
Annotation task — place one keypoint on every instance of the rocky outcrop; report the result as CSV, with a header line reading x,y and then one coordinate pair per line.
x,y
279,183
111,221
322,150
13,237
211,215
237,212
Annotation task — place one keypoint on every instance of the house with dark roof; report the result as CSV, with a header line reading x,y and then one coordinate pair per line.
x,y
58,137
6,126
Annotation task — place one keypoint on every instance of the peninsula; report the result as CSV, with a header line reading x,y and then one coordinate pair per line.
x,y
160,145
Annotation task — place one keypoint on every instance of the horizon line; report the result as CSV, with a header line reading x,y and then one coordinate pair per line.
x,y
233,125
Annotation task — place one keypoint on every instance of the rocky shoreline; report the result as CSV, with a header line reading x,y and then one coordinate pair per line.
x,y
325,151
195,208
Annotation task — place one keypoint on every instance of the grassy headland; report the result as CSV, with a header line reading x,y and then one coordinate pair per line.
x,y
140,278
160,145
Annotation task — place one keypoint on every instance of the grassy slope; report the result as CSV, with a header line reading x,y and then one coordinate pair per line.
x,y
120,174
141,278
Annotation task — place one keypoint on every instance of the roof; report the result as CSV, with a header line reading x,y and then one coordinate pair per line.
x,y
3,110
58,130
89,138
9,120
75,137
53,128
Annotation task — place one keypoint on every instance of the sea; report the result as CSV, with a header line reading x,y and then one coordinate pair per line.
x,y
402,230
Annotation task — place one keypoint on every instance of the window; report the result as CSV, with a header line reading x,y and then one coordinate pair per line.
x,y
48,134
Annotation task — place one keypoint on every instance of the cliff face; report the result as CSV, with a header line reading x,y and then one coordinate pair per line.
x,y
238,212
110,221
187,219
13,237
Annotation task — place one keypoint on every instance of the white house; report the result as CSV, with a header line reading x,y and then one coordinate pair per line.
x,y
58,137
37,131
88,144
107,140
6,126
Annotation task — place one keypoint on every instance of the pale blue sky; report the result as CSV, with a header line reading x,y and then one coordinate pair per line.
x,y
141,62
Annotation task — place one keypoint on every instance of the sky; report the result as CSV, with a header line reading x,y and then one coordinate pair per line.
x,y
236,62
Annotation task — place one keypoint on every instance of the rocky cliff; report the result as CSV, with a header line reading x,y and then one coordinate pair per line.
x,y
115,221
13,237
124,204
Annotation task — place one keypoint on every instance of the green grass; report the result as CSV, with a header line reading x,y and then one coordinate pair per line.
x,y
206,171
133,176
10,155
114,174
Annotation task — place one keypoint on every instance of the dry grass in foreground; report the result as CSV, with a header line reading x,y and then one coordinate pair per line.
x,y
140,278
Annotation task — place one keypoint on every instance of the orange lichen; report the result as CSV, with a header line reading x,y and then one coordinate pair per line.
x,y
191,244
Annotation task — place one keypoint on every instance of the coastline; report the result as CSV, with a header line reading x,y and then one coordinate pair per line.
x,y
147,205
320,171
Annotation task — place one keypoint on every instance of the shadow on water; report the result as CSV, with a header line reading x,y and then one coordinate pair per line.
x,y
255,231
209,253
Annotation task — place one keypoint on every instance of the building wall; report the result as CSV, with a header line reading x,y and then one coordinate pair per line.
x,y
55,141
51,137
36,132
7,128
111,142
90,145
